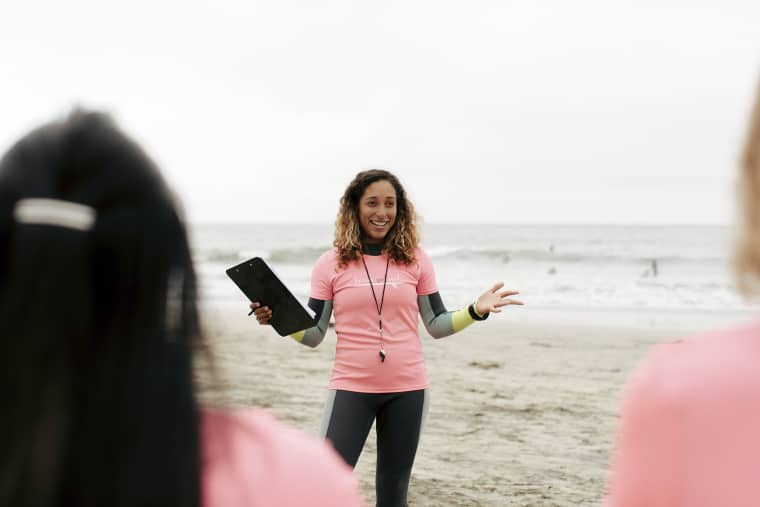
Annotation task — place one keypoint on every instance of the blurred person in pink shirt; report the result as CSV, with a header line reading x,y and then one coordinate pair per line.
x,y
689,433
98,330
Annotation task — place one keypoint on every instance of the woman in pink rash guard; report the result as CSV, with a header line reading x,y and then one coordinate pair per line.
x,y
98,330
689,432
377,280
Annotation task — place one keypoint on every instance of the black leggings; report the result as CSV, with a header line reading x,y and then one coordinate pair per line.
x,y
348,419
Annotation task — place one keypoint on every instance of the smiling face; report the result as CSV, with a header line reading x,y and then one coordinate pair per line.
x,y
377,211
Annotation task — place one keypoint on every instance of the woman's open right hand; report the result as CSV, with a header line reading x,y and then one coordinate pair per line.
x,y
263,313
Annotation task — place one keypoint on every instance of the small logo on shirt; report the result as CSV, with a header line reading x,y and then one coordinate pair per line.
x,y
393,282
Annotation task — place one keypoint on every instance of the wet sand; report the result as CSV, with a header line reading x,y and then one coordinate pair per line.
x,y
522,412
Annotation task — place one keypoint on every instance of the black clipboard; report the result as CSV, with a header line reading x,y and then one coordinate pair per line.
x,y
259,283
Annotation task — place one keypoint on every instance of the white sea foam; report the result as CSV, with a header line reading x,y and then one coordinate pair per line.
x,y
552,266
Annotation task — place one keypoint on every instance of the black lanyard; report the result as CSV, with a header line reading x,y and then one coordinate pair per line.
x,y
379,307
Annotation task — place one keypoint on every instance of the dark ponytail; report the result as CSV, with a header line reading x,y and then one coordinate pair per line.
x,y
97,328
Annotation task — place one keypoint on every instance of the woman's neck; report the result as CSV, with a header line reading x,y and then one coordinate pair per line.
x,y
372,248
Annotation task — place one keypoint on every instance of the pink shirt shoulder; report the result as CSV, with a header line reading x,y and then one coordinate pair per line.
x,y
427,283
689,431
323,273
251,459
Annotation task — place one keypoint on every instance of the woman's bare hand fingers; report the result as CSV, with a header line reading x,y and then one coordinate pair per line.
x,y
496,286
506,302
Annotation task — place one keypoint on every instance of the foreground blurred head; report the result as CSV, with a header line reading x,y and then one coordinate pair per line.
x,y
748,248
98,323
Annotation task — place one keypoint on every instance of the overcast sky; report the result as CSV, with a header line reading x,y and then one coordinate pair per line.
x,y
513,111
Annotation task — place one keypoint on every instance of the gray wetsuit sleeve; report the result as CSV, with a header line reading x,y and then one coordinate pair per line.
x,y
314,335
440,322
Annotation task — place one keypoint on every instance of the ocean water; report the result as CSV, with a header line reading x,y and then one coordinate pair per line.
x,y
605,267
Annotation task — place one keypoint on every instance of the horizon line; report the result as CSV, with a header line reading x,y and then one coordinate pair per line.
x,y
511,224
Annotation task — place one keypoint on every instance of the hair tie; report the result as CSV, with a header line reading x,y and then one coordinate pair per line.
x,y
54,212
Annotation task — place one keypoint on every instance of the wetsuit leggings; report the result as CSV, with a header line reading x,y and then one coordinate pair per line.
x,y
346,423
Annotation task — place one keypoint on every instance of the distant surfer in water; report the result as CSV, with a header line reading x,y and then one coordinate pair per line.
x,y
651,270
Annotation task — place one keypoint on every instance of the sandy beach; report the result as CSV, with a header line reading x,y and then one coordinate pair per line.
x,y
522,410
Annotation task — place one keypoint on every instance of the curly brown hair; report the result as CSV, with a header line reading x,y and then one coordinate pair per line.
x,y
747,255
401,240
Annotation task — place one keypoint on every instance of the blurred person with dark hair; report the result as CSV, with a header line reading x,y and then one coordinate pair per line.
x,y
98,329
689,433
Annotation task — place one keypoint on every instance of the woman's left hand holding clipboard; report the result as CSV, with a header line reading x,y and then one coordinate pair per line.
x,y
263,313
